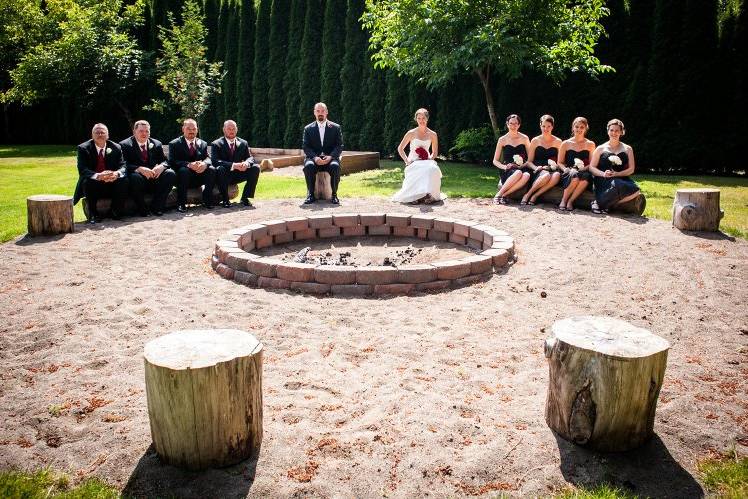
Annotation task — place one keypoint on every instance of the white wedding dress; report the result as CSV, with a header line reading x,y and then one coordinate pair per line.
x,y
422,176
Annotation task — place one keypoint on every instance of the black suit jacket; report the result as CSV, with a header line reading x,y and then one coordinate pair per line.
x,y
87,158
220,154
333,145
179,153
131,153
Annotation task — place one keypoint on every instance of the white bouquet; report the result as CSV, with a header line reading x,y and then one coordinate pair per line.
x,y
552,164
578,164
518,160
615,160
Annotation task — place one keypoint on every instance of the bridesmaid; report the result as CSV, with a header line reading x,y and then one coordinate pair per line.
x,y
513,172
611,165
576,176
543,159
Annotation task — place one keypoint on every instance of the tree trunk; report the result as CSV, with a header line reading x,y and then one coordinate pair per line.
x,y
49,214
485,78
605,377
697,209
204,391
125,112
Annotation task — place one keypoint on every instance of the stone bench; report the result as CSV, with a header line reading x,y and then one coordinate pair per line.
x,y
233,259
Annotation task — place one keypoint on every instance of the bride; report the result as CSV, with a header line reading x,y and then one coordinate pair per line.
x,y
423,178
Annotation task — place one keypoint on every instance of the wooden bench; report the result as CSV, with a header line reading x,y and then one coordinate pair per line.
x,y
555,194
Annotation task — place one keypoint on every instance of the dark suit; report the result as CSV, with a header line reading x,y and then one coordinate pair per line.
x,y
93,189
179,158
159,186
222,159
333,147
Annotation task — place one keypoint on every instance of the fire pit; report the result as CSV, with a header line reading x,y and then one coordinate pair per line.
x,y
362,254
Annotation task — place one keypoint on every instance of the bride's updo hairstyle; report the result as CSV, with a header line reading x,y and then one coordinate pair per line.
x,y
423,111
582,120
516,117
616,121
547,118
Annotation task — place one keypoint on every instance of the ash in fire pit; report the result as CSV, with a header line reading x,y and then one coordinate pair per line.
x,y
402,257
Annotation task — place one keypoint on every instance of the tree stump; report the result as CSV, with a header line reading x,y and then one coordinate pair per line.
x,y
697,209
204,391
323,186
49,214
605,377
266,165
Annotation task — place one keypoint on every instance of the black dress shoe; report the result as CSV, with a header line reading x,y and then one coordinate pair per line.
x,y
158,213
334,199
115,216
182,208
310,199
246,202
208,206
226,204
144,213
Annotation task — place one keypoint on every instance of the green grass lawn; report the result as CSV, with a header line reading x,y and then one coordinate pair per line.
x,y
28,170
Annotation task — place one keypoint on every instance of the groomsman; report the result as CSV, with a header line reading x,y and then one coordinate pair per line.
x,y
322,145
188,157
147,168
234,163
101,173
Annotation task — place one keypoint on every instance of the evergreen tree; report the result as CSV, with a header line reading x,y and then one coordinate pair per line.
x,y
355,62
397,116
333,52
309,63
230,104
245,63
259,77
212,9
292,134
276,120
733,56
372,127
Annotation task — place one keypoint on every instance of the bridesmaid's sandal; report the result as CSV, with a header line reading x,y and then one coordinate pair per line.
x,y
596,209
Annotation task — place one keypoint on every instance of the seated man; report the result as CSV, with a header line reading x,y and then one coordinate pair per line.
x,y
234,163
101,171
322,144
188,157
147,168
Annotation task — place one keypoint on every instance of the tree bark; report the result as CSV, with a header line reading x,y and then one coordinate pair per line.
x,y
697,209
49,214
605,377
204,391
485,78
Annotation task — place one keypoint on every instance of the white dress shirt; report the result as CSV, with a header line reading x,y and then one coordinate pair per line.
x,y
322,126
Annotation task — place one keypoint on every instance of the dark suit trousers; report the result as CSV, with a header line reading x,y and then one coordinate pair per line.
x,y
96,189
159,187
310,174
225,176
187,178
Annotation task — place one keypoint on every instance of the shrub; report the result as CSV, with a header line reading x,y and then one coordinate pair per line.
x,y
474,145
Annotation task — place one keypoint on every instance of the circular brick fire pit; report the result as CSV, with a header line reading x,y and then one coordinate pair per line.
x,y
233,257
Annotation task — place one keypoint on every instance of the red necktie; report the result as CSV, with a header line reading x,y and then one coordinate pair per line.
x,y
231,150
192,149
100,162
144,153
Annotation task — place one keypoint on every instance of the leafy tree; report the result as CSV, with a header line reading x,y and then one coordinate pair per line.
x,y
87,53
185,76
260,107
437,40
276,119
245,65
292,136
355,64
333,51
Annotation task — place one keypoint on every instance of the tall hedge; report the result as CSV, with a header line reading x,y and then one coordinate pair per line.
x,y
309,64
260,107
276,72
292,135
355,63
244,69
333,53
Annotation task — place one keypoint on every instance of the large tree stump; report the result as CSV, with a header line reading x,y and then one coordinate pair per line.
x,y
323,186
266,165
204,390
49,214
605,377
697,209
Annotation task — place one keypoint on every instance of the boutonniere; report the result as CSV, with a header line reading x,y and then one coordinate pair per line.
x,y
329,125
150,145
109,150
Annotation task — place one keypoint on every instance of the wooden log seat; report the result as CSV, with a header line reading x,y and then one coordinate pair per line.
x,y
49,214
555,194
697,209
323,186
204,393
604,379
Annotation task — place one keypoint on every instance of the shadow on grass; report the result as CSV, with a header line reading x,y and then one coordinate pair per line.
x,y
649,471
45,151
152,478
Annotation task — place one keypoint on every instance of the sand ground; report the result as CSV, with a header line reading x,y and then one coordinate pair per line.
x,y
432,394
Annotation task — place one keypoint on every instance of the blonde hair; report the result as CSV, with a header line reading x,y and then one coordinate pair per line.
x,y
423,111
616,121
141,123
580,119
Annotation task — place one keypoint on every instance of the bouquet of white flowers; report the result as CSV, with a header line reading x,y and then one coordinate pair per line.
x,y
518,160
615,160
552,165
578,164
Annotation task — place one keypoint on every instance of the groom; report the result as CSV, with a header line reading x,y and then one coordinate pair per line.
x,y
322,145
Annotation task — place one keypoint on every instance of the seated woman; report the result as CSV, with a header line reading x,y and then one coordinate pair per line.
x,y
423,178
611,165
543,158
575,157
512,149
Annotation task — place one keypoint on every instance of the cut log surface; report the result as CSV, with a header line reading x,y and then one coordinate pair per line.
x,y
554,196
204,391
49,214
323,186
697,209
604,379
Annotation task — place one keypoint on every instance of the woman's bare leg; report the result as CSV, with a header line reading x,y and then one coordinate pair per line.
x,y
554,178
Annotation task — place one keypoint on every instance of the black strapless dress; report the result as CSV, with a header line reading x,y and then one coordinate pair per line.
x,y
609,191
569,158
542,155
507,153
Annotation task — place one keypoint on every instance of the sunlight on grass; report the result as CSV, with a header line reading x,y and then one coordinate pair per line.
x,y
46,483
727,477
